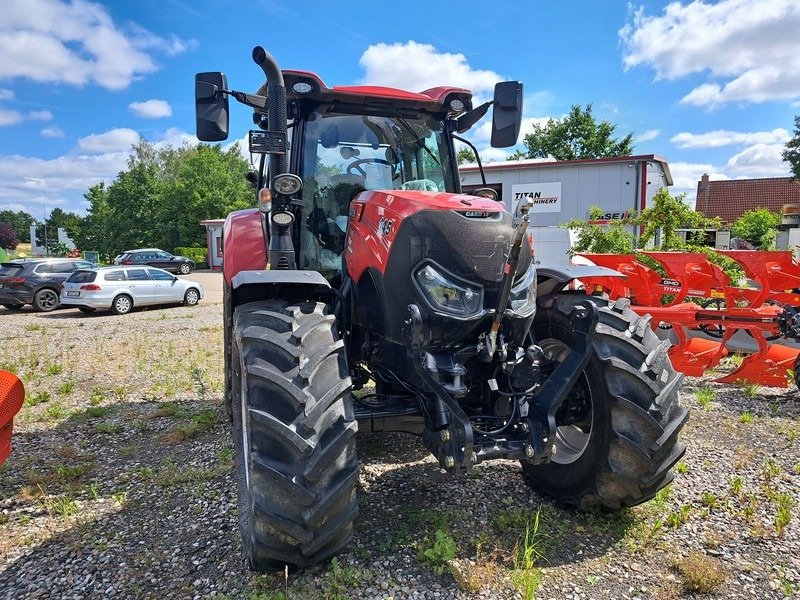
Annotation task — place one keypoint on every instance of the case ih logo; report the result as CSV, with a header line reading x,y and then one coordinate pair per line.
x,y
611,215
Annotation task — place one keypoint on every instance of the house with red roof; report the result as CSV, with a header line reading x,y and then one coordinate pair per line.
x,y
731,198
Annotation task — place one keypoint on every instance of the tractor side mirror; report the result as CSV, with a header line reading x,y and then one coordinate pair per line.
x,y
12,393
507,113
211,106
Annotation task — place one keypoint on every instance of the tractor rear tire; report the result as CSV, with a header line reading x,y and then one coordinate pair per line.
x,y
623,453
294,434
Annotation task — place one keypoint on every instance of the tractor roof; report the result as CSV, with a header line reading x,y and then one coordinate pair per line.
x,y
432,100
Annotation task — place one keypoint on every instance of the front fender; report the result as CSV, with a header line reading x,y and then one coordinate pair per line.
x,y
552,279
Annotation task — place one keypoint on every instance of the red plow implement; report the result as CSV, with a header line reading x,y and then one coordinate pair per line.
x,y
697,300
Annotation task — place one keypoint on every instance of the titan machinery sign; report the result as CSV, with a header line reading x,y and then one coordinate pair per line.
x,y
546,196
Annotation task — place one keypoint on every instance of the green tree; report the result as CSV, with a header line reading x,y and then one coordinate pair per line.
x,y
160,199
791,153
665,216
204,182
20,221
465,155
613,237
576,136
759,227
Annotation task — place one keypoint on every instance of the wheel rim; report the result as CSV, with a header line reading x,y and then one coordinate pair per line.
x,y
191,297
571,441
122,304
48,300
184,268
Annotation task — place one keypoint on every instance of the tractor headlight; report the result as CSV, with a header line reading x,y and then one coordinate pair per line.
x,y
522,301
287,184
447,294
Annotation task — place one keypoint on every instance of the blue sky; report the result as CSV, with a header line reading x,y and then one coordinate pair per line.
x,y
711,86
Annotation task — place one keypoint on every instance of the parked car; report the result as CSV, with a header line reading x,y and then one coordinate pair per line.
x,y
121,288
36,281
156,258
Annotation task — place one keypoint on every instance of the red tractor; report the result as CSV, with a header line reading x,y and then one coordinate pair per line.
x,y
364,265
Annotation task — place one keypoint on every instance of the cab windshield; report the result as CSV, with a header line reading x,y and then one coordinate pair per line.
x,y
344,154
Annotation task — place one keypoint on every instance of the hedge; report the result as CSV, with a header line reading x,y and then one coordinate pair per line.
x,y
198,255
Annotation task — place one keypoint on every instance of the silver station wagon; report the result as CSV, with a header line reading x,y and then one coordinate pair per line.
x,y
120,289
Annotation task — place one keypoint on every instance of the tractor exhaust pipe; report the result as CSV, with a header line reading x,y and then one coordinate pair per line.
x,y
280,250
276,102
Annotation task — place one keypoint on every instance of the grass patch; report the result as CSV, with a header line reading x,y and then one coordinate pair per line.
x,y
53,369
525,574
705,397
700,573
37,398
108,427
784,504
746,417
438,551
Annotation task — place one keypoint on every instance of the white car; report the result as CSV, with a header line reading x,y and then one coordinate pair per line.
x,y
120,289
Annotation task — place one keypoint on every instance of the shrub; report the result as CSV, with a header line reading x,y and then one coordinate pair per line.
x,y
198,255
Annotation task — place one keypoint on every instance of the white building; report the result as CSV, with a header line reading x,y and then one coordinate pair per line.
x,y
565,190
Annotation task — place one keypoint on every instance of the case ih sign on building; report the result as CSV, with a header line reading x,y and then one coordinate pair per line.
x,y
568,189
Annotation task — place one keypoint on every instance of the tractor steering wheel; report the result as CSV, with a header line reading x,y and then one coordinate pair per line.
x,y
355,167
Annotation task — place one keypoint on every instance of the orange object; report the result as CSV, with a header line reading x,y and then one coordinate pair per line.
x,y
769,366
694,356
12,393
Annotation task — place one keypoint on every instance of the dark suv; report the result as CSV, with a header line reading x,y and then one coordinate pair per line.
x,y
156,258
36,281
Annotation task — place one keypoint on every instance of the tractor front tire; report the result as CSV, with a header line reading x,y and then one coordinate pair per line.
x,y
294,434
622,451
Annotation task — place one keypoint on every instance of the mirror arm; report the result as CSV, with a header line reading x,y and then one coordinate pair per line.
x,y
469,119
477,156
251,100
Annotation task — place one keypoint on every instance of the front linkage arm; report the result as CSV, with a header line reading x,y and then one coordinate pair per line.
x,y
450,433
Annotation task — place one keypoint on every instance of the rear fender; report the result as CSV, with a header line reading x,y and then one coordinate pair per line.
x,y
553,279
12,394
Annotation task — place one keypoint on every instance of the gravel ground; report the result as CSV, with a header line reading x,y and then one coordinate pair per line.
x,y
120,486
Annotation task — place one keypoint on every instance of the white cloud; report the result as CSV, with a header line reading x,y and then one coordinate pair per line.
x,y
416,67
12,117
115,140
749,51
759,160
52,132
40,115
176,138
722,137
9,117
99,157
54,41
63,175
6,94
151,109
648,135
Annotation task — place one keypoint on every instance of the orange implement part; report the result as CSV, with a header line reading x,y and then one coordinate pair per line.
x,y
693,356
641,284
696,275
774,271
765,368
12,393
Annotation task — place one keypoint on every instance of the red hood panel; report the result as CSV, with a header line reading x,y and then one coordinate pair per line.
x,y
370,237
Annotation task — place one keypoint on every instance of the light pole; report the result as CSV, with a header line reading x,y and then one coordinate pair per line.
x,y
44,214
